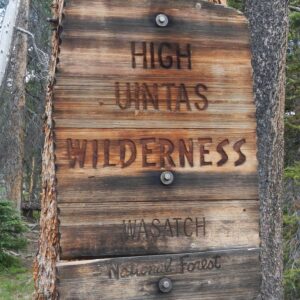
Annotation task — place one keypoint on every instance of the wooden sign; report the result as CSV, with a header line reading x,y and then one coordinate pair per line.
x,y
155,136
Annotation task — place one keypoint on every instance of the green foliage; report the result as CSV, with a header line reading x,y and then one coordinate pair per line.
x,y
293,172
292,119
291,275
11,233
237,4
291,281
16,283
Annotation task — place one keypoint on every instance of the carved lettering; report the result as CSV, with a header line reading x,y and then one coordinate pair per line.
x,y
142,54
166,61
106,154
160,96
183,97
167,228
200,225
76,152
185,227
221,151
124,145
169,87
204,151
149,96
151,152
198,90
169,55
146,151
191,266
155,228
237,148
180,55
183,264
166,150
170,227
186,152
95,153
129,229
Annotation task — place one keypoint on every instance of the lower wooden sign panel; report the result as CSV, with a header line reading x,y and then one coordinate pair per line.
x,y
233,274
121,229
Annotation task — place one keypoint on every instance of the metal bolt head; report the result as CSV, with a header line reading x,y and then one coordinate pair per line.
x,y
165,285
167,177
162,20
198,5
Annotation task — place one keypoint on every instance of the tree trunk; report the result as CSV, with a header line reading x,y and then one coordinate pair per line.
x,y
6,36
269,31
14,174
48,253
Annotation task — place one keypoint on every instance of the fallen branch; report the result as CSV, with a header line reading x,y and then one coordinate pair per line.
x,y
294,8
41,55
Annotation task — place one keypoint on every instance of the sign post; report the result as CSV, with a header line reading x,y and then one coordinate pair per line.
x,y
155,146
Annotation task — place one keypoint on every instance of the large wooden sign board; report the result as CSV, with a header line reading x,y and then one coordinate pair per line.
x,y
145,87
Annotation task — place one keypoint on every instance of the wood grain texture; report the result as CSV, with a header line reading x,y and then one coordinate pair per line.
x,y
137,182
147,187
96,53
199,143
222,275
132,100
44,268
114,229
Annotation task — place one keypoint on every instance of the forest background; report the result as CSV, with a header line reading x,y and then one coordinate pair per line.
x,y
21,152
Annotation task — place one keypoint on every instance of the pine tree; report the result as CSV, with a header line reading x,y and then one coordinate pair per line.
x,y
11,232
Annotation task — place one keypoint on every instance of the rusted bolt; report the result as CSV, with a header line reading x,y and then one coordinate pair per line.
x,y
167,177
165,285
162,20
198,5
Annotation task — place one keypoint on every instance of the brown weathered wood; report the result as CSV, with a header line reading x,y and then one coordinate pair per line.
x,y
114,229
90,180
96,54
71,142
48,252
122,118
147,187
225,275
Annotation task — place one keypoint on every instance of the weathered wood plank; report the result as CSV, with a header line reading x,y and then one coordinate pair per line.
x,y
197,68
187,17
189,150
116,229
131,100
92,166
184,9
146,186
225,275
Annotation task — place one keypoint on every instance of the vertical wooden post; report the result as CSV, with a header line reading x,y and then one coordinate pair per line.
x,y
48,253
269,30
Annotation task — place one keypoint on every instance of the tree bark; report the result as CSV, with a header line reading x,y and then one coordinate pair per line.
x,y
6,36
15,159
269,31
45,275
